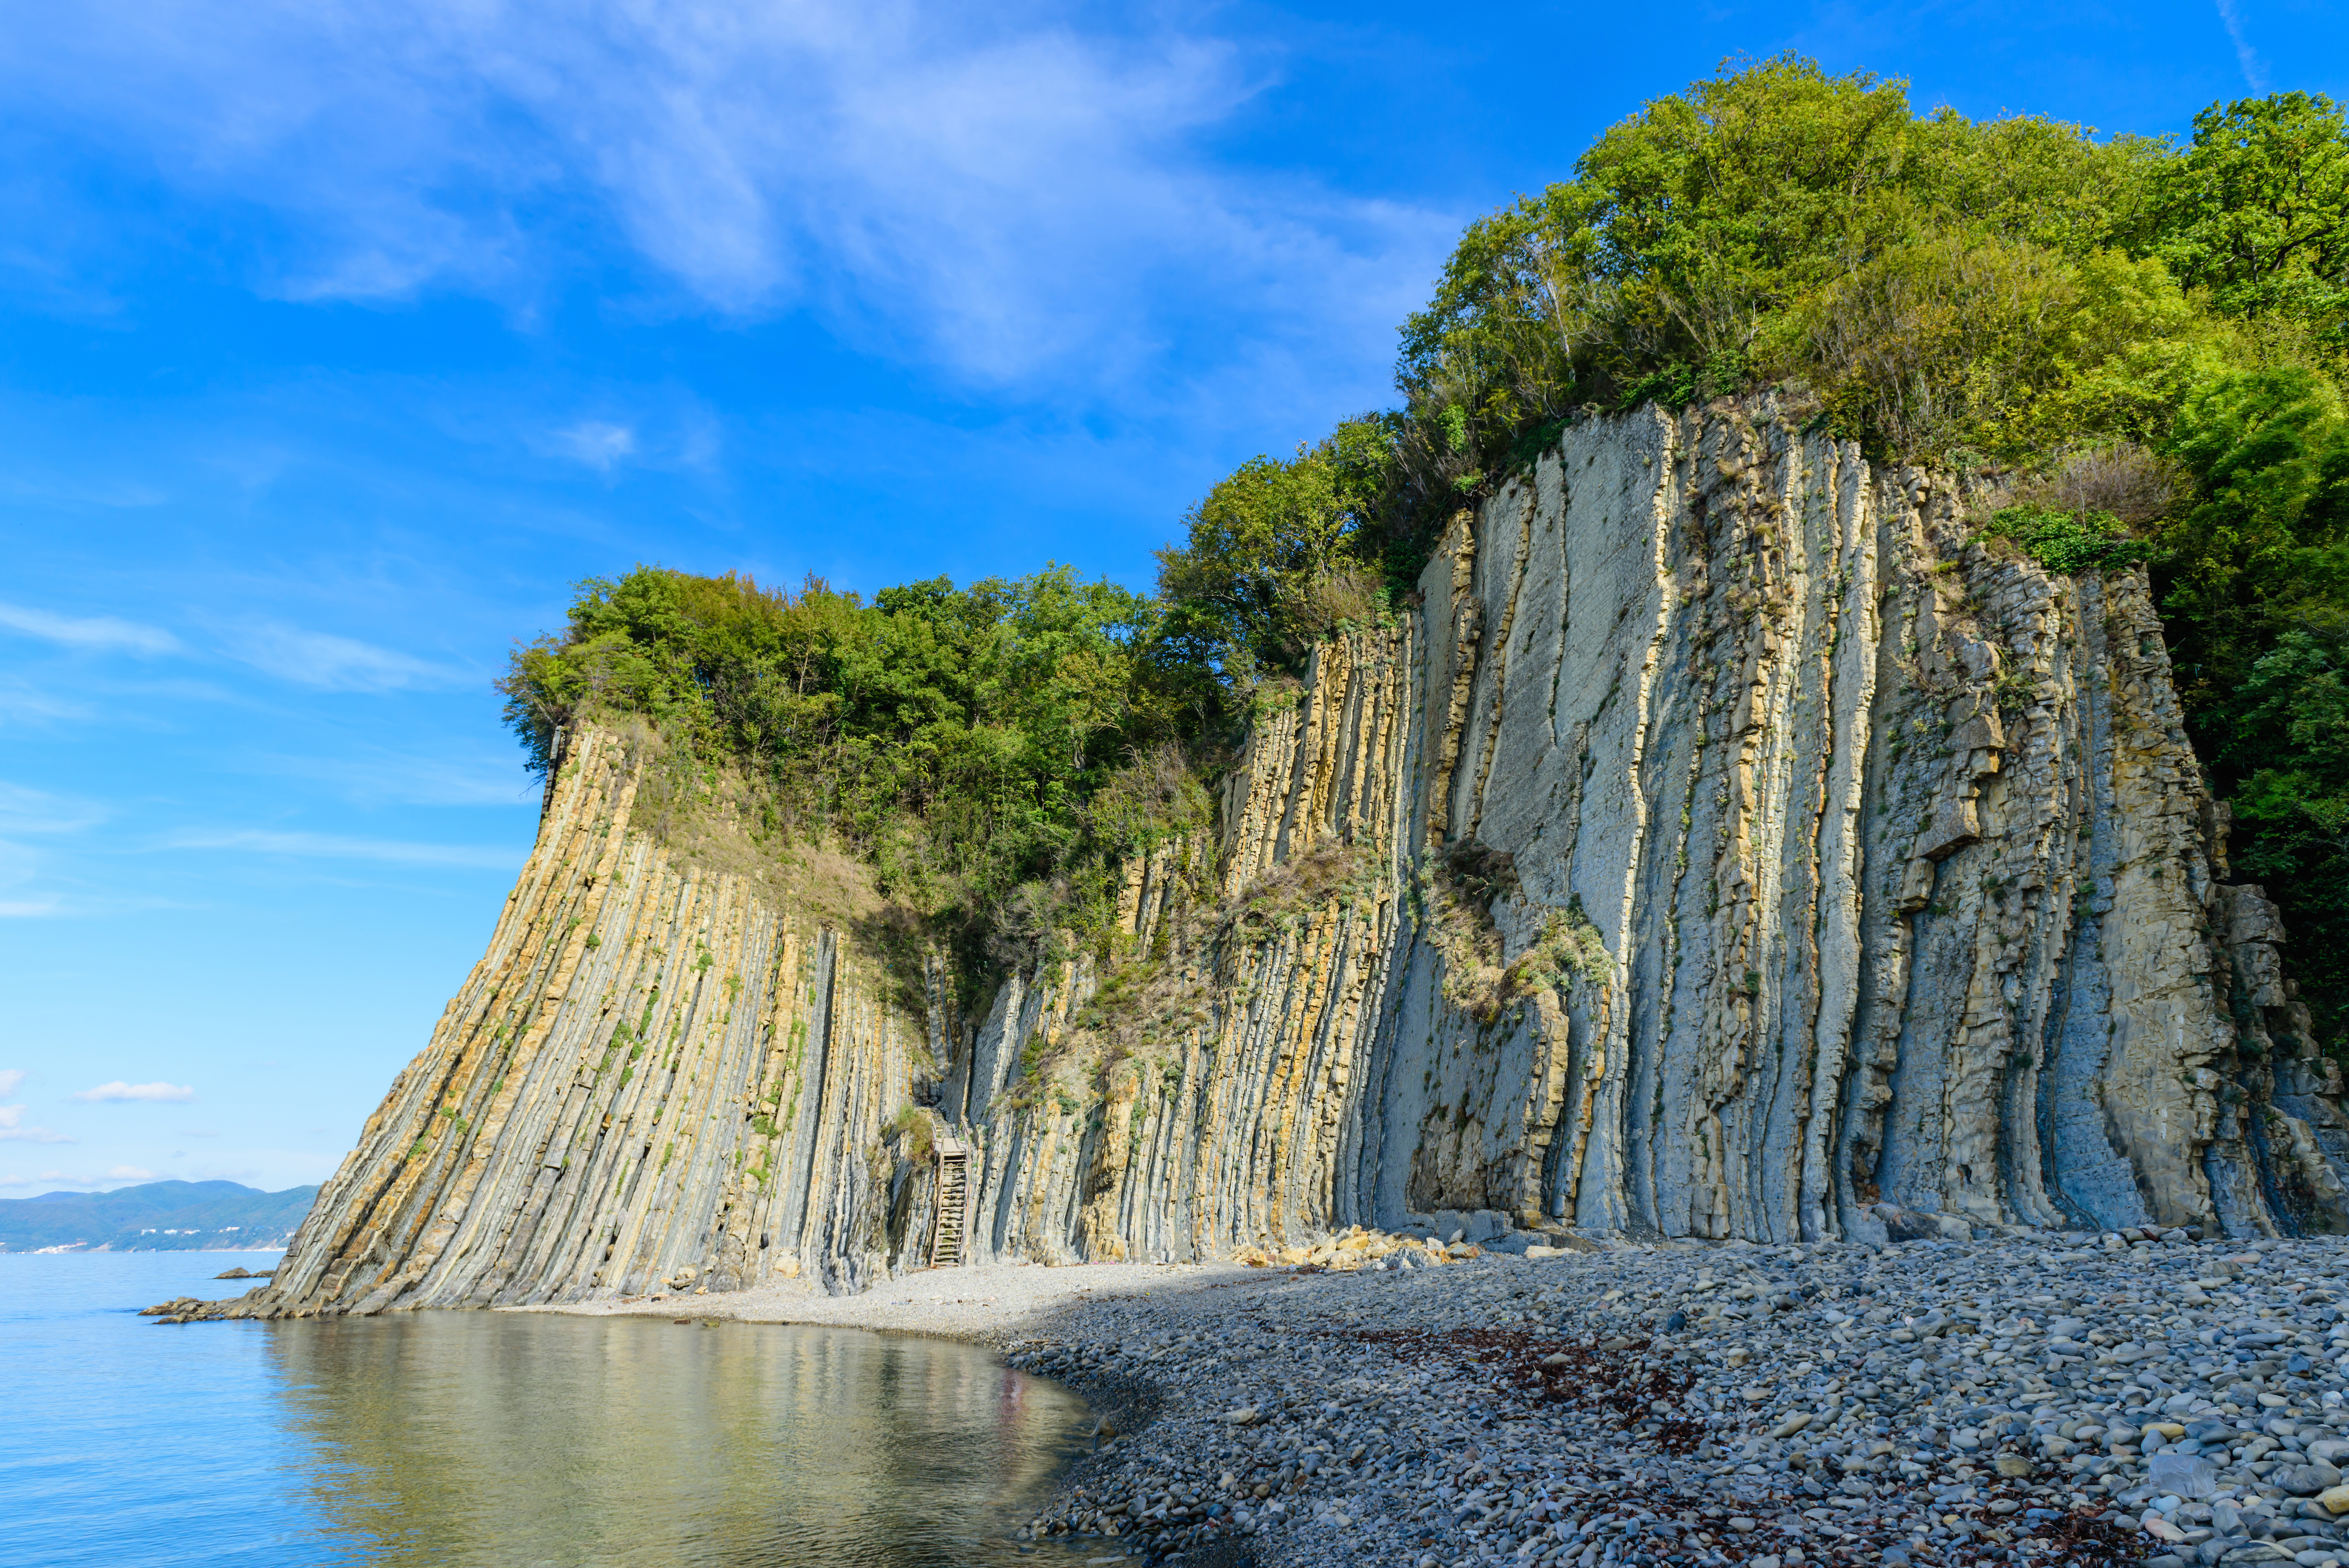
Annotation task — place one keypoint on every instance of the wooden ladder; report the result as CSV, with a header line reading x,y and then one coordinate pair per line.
x,y
952,1224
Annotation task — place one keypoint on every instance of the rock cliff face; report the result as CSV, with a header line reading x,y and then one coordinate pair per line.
x,y
1725,845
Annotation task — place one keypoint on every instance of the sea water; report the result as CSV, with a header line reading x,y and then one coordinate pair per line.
x,y
495,1438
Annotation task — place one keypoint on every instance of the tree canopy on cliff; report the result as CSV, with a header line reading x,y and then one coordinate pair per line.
x,y
2149,337
988,747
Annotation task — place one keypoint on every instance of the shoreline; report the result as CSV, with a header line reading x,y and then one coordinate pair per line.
x,y
125,1252
2020,1399
984,1304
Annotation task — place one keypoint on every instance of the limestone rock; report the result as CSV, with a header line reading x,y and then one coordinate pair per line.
x,y
1728,845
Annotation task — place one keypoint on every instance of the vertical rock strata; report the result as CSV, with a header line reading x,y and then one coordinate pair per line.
x,y
1724,845
652,1076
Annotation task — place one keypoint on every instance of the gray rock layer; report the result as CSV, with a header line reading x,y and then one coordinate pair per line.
x,y
1724,846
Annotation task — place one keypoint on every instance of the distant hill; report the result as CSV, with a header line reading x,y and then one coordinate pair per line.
x,y
160,1216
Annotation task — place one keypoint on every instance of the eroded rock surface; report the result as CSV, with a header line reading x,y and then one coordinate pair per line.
x,y
1724,847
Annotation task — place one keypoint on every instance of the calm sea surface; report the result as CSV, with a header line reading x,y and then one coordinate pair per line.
x,y
495,1437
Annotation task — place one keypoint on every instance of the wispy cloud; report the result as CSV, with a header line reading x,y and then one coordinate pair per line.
x,y
371,777
9,1079
596,443
20,703
120,1091
33,814
1000,191
21,897
96,633
332,663
24,810
332,846
63,1178
2254,72
11,1126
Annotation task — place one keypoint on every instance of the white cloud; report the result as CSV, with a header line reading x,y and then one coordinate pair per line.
x,y
2254,72
24,810
1003,190
11,1126
331,663
9,1079
60,1179
32,812
598,445
479,778
101,633
20,702
120,1091
331,846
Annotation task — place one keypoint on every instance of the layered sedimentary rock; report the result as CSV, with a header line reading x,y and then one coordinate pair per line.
x,y
1726,844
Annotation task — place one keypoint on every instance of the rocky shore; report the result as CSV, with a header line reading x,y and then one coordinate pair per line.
x,y
2016,1398
1971,1397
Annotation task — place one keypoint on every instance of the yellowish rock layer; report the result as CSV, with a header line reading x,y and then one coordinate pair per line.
x,y
1724,845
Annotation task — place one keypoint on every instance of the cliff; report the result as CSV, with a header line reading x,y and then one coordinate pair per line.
x,y
1726,845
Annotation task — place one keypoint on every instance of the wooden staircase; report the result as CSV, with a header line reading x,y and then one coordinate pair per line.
x,y
952,1224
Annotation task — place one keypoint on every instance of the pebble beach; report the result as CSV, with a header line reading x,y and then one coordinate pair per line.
x,y
2011,1397
2022,1398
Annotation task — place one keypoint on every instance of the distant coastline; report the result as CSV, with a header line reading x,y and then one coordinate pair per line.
x,y
155,1217
77,1250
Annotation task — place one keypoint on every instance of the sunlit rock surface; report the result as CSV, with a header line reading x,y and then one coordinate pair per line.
x,y
1721,847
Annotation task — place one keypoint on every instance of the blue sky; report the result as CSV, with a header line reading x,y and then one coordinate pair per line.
x,y
336,340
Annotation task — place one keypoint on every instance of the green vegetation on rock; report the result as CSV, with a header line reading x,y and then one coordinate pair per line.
x,y
2142,342
2135,345
2068,541
990,750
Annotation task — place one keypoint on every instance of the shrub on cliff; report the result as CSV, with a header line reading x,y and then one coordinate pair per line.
x,y
955,736
2155,334
1279,554
1939,288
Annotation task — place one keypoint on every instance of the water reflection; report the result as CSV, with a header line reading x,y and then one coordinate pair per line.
x,y
508,1438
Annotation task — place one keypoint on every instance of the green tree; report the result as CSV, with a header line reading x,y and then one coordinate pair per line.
x,y
1272,556
2168,322
1939,282
2257,209
2264,548
953,736
2287,755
